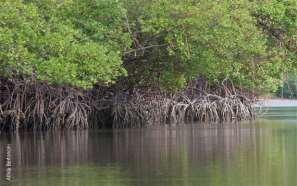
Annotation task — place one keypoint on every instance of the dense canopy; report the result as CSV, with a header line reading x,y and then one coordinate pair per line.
x,y
162,43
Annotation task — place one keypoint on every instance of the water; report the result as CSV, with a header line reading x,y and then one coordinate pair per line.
x,y
279,113
258,154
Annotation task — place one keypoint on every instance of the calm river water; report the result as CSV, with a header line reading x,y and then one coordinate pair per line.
x,y
263,153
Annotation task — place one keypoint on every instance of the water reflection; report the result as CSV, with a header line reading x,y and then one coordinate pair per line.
x,y
258,154
8,163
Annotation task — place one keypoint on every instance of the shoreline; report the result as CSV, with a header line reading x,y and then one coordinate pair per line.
x,y
278,102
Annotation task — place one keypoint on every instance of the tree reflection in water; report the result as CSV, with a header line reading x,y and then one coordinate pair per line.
x,y
181,155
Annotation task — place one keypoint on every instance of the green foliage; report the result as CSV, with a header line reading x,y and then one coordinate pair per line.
x,y
214,39
161,43
63,42
278,20
289,87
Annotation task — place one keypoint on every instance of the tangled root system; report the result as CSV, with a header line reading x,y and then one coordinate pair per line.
x,y
29,104
139,112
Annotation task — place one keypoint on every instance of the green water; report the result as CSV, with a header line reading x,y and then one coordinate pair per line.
x,y
279,113
263,153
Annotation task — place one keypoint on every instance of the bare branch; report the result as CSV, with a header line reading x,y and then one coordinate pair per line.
x,y
143,48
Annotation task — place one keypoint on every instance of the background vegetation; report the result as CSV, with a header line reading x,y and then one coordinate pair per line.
x,y
155,43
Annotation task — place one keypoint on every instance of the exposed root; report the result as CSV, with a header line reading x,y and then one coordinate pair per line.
x,y
142,110
28,104
139,111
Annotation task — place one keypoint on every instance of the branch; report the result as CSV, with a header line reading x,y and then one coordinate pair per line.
x,y
143,48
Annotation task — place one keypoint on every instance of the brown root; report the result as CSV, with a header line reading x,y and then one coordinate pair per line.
x,y
140,109
28,104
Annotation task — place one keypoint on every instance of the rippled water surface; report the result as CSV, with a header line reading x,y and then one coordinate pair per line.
x,y
263,153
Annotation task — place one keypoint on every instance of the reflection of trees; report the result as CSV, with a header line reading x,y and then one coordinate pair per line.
x,y
270,160
164,156
172,155
169,153
41,149
59,157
